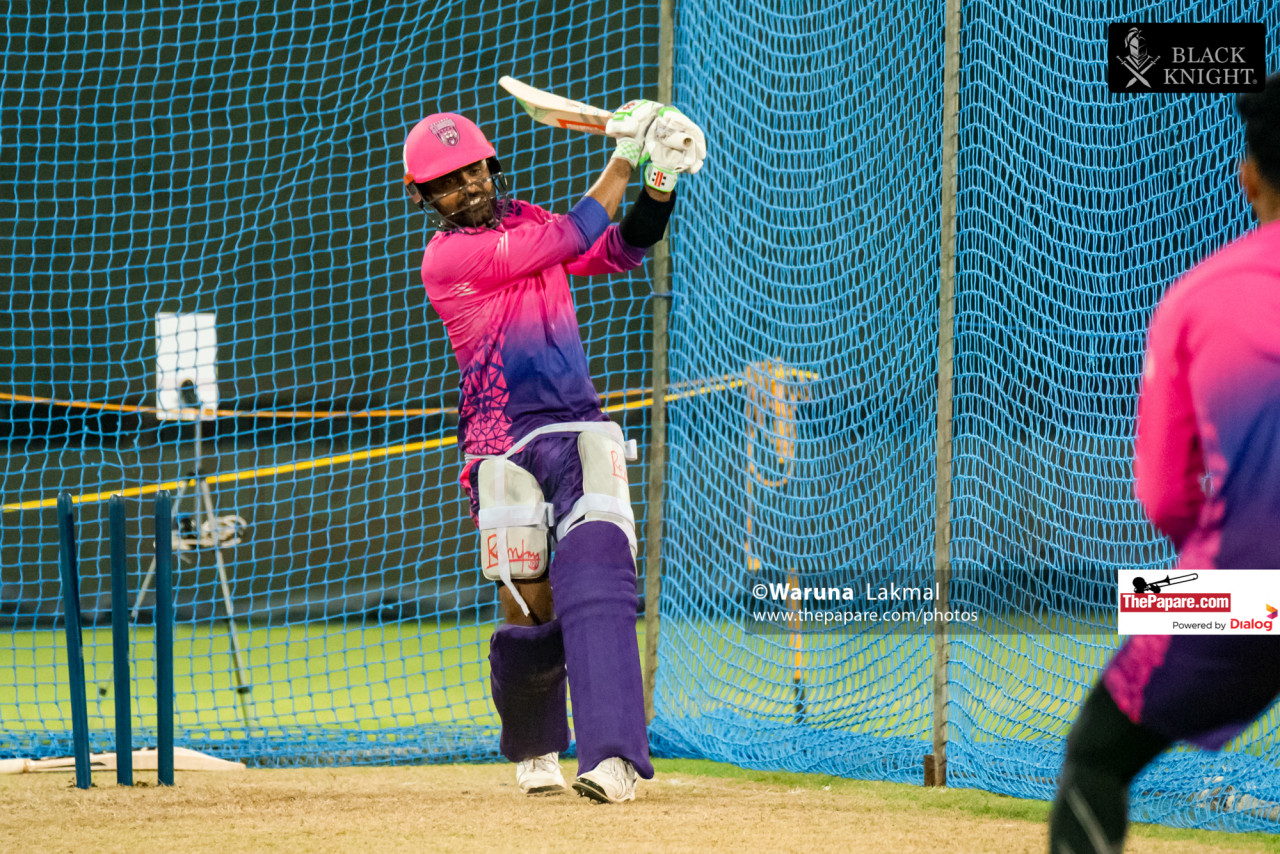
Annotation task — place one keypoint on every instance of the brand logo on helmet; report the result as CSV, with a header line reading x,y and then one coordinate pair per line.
x,y
446,131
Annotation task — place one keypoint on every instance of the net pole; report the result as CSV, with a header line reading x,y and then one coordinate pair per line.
x,y
936,765
658,408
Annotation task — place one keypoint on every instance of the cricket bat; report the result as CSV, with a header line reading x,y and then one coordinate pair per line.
x,y
555,110
143,760
560,112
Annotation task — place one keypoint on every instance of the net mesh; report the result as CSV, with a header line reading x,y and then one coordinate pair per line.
x,y
816,285
810,276
234,160
224,158
1076,210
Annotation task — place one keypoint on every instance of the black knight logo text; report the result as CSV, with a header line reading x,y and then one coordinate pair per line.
x,y
1150,57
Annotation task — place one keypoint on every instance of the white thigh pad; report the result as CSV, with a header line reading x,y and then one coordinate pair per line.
x,y
514,520
606,495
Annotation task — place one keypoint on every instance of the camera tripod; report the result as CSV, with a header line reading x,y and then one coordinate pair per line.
x,y
203,528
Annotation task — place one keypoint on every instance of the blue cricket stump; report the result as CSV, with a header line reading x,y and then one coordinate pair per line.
x,y
164,638
120,643
120,639
75,646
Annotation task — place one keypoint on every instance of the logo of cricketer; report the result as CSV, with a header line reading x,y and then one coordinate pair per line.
x,y
446,131
1138,61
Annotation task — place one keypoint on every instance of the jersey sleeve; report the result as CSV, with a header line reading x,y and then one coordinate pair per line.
x,y
609,254
497,259
1168,463
511,256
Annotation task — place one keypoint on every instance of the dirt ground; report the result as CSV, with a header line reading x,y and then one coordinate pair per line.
x,y
478,808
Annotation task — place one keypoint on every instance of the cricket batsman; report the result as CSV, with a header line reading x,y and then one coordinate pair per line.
x,y
545,469
1207,470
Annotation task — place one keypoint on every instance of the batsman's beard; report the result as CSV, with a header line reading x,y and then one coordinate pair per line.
x,y
483,210
475,214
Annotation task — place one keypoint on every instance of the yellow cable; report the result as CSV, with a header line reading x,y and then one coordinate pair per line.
x,y
249,474
698,388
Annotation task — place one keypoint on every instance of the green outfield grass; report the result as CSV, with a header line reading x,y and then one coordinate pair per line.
x,y
375,677
362,677
378,677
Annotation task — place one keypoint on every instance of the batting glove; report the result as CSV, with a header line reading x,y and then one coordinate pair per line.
x,y
673,145
628,126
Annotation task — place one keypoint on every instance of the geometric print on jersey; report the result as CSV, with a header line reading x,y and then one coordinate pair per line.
x,y
482,408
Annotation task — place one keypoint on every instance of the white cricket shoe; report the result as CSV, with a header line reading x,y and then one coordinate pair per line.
x,y
611,782
541,775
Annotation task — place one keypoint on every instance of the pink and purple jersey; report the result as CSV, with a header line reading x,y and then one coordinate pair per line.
x,y
503,294
1207,467
1207,454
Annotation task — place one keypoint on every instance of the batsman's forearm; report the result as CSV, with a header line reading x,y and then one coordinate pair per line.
x,y
611,186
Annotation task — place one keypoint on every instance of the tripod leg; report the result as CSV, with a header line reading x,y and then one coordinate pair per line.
x,y
142,590
243,687
151,570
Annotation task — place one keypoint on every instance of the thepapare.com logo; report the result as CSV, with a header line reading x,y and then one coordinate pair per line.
x,y
1143,58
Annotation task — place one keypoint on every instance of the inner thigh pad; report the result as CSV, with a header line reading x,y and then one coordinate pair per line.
x,y
513,521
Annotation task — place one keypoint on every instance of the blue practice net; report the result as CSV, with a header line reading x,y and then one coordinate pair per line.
x,y
230,163
1076,210
810,273
810,270
223,161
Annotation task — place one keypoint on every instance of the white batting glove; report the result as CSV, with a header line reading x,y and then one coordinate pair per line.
x,y
674,145
629,124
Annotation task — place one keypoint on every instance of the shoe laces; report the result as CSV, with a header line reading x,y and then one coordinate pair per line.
x,y
545,763
617,769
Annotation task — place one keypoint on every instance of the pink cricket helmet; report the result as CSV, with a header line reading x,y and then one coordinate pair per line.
x,y
440,144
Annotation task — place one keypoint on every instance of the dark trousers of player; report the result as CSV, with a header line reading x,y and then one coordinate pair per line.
x,y
1204,690
593,638
1105,751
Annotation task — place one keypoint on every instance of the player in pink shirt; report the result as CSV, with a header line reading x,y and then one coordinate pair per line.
x,y
1207,471
545,468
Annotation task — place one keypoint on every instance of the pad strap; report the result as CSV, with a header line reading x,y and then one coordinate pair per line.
x,y
604,428
596,502
541,515
544,514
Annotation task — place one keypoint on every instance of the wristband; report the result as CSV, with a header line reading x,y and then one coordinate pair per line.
x,y
659,179
646,221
